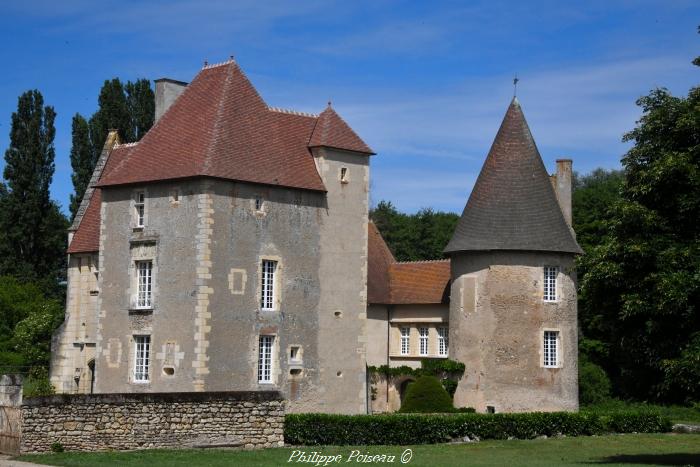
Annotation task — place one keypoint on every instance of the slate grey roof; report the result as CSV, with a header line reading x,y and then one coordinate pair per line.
x,y
513,205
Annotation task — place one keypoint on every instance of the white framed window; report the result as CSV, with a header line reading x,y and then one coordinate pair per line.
x,y
550,349
443,341
144,284
265,359
267,289
423,336
550,283
142,358
405,341
140,208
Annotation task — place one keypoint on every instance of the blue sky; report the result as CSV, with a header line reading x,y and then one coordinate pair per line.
x,y
425,84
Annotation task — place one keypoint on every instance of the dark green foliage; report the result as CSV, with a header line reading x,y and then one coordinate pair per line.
x,y
641,288
593,383
403,429
141,102
82,160
57,447
37,384
32,228
426,395
128,108
27,320
593,196
446,370
414,237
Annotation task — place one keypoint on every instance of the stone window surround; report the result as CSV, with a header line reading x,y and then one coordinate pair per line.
x,y
134,213
545,296
276,286
558,349
273,358
132,357
395,349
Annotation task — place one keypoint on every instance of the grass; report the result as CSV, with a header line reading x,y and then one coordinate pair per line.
x,y
677,413
638,449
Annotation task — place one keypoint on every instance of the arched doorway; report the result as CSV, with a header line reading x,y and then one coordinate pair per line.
x,y
403,388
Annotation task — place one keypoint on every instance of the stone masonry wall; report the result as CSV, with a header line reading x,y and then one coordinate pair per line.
x,y
156,420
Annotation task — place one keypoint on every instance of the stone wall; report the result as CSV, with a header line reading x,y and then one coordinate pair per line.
x,y
157,420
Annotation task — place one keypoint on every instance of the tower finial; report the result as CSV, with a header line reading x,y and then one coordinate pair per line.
x,y
329,103
515,85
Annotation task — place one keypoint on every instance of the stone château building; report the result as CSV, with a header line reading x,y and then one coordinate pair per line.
x,y
230,249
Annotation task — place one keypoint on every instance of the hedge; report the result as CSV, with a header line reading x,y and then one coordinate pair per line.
x,y
404,429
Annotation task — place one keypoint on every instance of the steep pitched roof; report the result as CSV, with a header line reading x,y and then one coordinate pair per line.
x,y
390,282
332,131
513,205
379,259
220,127
86,224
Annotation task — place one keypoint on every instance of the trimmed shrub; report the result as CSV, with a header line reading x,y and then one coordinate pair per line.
x,y
593,383
403,429
426,395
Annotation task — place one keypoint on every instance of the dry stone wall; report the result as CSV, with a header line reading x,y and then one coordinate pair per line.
x,y
157,420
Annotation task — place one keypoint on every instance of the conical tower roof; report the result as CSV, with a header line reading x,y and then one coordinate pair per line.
x,y
513,205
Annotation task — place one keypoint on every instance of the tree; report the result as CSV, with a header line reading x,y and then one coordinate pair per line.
x,y
593,196
419,236
129,108
141,103
33,230
82,160
641,290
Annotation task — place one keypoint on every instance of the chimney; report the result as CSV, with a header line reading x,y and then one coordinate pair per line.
x,y
562,187
167,91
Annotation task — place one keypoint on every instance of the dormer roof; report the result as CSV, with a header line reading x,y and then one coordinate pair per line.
x,y
513,205
332,131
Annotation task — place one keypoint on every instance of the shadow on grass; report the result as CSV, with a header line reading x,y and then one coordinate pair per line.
x,y
652,459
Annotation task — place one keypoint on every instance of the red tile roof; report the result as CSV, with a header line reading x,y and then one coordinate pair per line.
x,y
221,127
399,283
332,131
87,236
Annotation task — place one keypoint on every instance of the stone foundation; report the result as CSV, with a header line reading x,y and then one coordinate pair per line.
x,y
157,420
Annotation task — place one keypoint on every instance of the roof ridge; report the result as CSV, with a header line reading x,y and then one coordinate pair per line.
x,y
126,145
209,66
291,112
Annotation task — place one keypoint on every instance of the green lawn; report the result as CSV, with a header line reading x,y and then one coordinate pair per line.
x,y
656,449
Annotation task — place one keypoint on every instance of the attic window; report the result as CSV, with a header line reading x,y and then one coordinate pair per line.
x,y
258,202
343,175
175,196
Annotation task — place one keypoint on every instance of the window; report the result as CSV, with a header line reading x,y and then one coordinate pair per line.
x,y
550,283
265,359
551,349
443,340
267,296
142,358
405,343
423,332
343,175
140,208
294,353
258,201
144,294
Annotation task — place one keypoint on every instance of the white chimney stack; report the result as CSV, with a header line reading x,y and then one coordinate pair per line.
x,y
167,91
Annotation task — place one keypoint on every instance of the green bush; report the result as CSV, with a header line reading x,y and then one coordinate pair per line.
x,y
57,447
426,395
37,384
593,383
404,429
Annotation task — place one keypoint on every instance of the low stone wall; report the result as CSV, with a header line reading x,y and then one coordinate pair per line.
x,y
157,420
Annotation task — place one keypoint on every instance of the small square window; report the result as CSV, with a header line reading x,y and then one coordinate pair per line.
x,y
294,353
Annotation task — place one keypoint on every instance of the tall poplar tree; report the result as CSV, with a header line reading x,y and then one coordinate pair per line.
x,y
82,160
33,229
129,108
